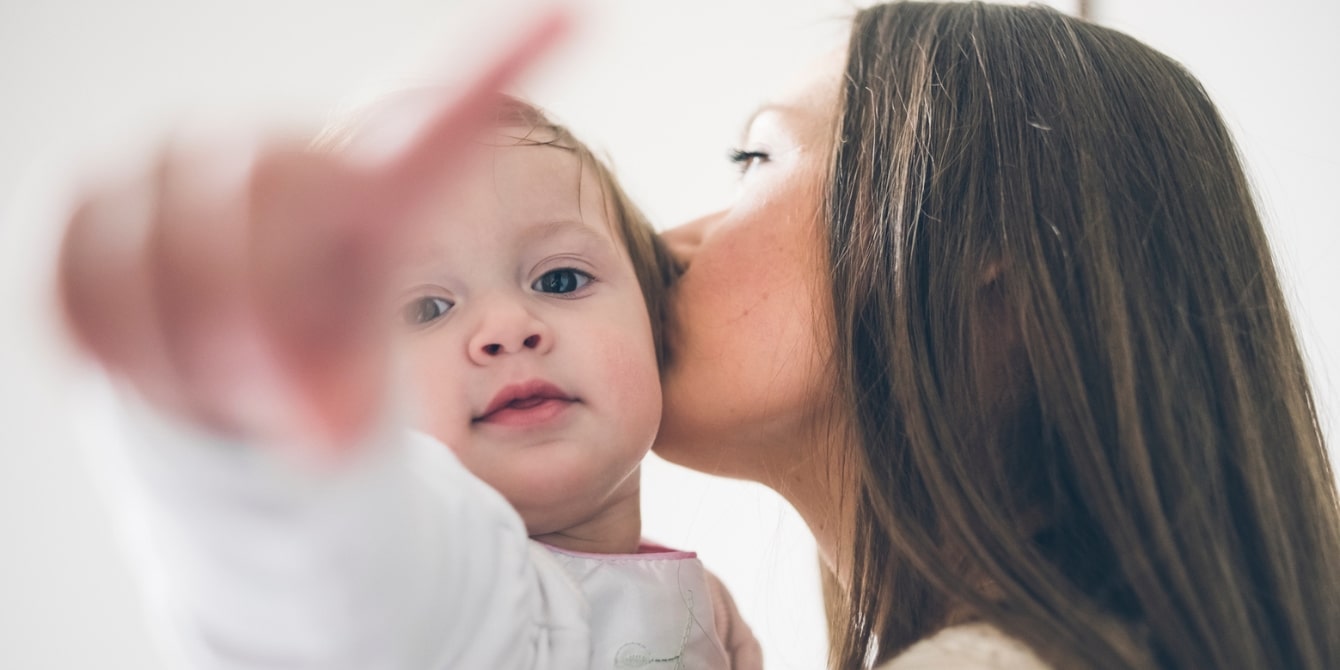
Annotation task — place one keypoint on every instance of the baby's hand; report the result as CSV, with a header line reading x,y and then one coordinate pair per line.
x,y
243,290
738,639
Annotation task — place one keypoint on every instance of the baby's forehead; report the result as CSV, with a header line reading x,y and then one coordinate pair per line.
x,y
544,181
523,133
535,151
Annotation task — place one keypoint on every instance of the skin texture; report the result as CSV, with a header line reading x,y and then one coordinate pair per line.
x,y
748,389
476,316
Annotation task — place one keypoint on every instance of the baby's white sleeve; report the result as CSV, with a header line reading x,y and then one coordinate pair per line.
x,y
399,560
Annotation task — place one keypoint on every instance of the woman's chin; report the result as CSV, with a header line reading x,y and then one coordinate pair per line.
x,y
670,447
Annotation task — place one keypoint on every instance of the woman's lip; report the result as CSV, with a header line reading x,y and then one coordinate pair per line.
x,y
526,397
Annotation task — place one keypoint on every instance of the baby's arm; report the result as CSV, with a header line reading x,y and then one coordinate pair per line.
x,y
397,559
240,303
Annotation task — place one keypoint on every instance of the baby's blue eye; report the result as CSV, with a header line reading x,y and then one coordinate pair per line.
x,y
562,280
425,310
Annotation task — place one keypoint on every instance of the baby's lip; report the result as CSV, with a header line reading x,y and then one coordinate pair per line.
x,y
535,390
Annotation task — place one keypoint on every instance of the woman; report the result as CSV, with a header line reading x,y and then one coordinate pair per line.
x,y
1051,384
1048,411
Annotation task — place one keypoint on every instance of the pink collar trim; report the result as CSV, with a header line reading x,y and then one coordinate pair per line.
x,y
646,551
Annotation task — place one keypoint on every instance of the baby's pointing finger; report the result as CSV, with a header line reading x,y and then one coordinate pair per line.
x,y
200,271
442,146
319,292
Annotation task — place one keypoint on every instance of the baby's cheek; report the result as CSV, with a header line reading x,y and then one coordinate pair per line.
x,y
442,414
632,380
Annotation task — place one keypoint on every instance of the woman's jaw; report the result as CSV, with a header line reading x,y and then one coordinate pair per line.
x,y
749,388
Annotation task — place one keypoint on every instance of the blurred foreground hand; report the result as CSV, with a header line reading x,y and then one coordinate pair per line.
x,y
243,289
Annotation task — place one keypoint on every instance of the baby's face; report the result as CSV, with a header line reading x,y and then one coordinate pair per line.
x,y
527,337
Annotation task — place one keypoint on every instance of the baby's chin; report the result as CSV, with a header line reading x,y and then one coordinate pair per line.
x,y
557,514
606,520
544,521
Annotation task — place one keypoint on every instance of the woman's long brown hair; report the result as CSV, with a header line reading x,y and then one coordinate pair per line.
x,y
1082,413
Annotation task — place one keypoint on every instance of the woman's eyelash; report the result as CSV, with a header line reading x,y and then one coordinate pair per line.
x,y
746,158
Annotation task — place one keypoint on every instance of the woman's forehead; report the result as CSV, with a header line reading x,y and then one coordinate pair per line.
x,y
816,89
808,106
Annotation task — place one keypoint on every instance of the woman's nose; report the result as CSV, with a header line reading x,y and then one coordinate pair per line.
x,y
683,241
507,329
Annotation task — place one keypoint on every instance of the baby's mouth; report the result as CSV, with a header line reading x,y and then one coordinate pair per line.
x,y
526,404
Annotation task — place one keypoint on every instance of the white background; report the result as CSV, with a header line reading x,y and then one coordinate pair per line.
x,y
660,87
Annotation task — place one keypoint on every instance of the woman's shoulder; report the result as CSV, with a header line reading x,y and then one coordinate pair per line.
x,y
977,646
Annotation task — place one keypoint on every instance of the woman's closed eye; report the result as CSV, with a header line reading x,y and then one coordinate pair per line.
x,y
744,159
562,281
425,310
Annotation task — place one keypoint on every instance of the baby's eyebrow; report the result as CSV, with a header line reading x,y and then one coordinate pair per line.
x,y
550,229
541,231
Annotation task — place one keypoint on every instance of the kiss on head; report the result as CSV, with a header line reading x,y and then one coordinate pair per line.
x,y
993,309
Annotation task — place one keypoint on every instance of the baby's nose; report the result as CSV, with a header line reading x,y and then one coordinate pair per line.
x,y
498,348
508,329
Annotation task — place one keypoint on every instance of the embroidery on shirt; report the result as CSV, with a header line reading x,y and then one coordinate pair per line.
x,y
635,655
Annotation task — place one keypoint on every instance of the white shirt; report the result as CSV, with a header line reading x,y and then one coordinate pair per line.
x,y
400,559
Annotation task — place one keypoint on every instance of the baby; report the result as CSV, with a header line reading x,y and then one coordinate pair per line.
x,y
528,318
532,326
531,318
